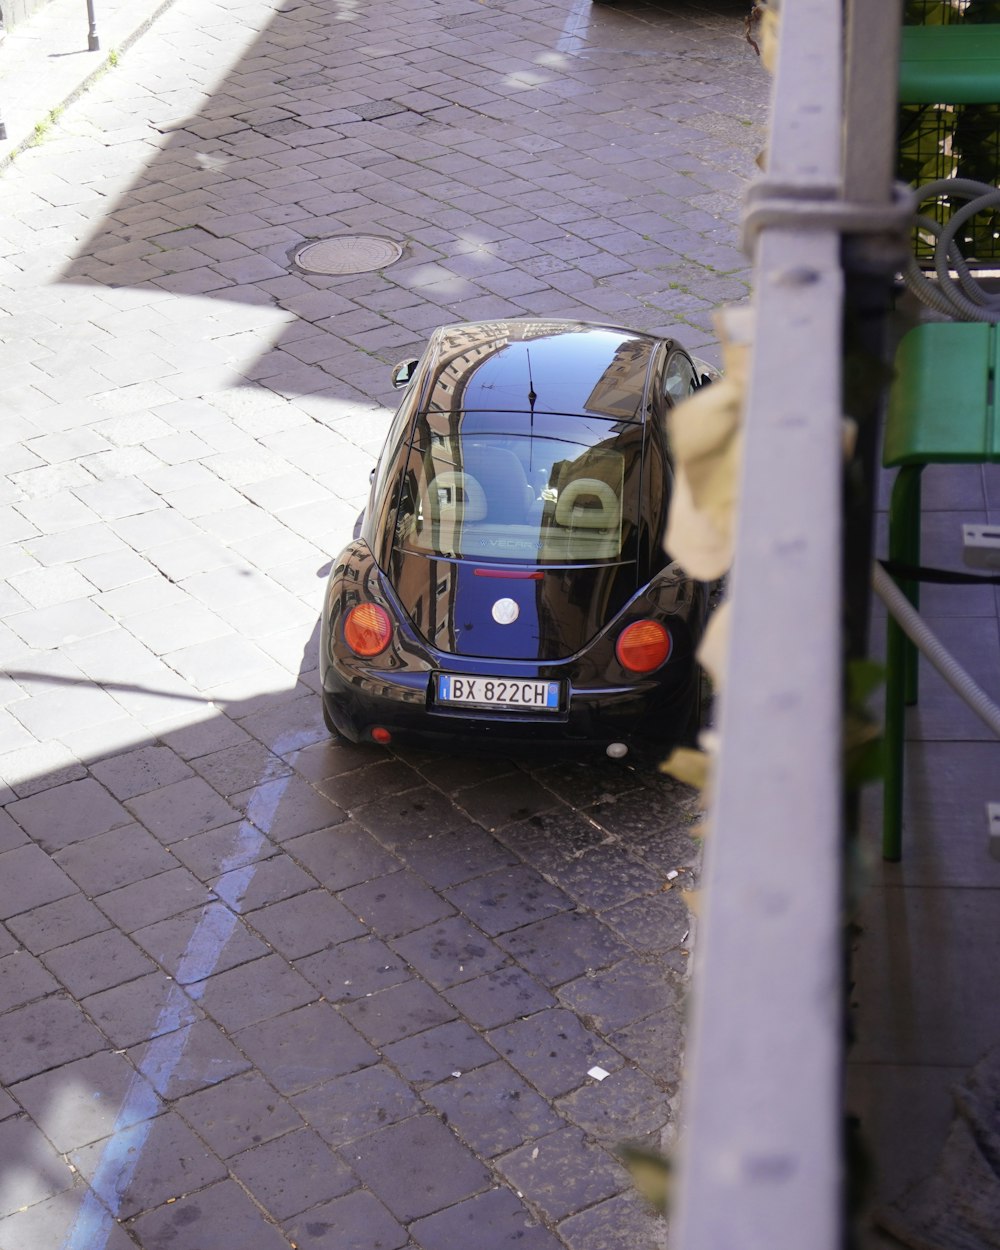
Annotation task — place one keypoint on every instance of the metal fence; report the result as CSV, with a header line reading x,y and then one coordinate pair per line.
x,y
950,12
761,1162
942,140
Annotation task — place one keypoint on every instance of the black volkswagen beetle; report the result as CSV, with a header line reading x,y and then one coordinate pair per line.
x,y
507,582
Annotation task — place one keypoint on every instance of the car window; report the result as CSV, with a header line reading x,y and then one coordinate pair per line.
x,y
679,378
381,498
593,371
535,495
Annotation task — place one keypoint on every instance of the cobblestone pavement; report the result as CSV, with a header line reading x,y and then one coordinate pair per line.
x,y
258,989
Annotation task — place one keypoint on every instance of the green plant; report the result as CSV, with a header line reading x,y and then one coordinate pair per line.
x,y
651,1174
864,747
47,122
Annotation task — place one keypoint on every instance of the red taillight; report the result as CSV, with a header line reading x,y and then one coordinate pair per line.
x,y
642,646
379,734
367,629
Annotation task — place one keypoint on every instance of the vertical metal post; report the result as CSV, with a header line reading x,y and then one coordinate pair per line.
x,y
871,99
761,1165
93,43
871,111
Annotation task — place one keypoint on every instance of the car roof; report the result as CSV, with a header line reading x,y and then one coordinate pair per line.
x,y
554,366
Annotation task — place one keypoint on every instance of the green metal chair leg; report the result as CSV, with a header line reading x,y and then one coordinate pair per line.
x,y
911,534
895,730
904,546
901,656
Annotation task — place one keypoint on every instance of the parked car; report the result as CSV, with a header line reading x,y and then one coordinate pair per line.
x,y
507,582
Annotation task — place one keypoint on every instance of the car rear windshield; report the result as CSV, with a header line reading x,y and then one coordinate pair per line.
x,y
537,489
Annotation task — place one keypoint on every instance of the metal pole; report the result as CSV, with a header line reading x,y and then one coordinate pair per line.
x,y
93,43
762,1156
871,108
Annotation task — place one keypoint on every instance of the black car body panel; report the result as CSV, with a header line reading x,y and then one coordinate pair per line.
x,y
558,610
513,531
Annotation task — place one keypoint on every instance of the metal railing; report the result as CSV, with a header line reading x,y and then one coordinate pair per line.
x,y
761,1161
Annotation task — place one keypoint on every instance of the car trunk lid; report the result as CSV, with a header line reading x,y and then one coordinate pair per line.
x,y
509,612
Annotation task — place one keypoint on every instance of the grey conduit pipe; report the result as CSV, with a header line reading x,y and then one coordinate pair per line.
x,y
929,645
961,297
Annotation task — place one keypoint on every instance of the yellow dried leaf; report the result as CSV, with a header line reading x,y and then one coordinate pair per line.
x,y
734,324
714,646
651,1174
706,419
707,441
704,551
687,765
711,479
692,898
858,731
714,480
769,34
849,437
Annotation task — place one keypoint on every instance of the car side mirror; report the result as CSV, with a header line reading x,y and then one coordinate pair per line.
x,y
403,372
705,373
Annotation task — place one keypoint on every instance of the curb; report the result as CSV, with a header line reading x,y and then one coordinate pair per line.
x,y
118,47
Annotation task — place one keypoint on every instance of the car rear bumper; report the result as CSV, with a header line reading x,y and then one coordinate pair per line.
x,y
601,701
654,712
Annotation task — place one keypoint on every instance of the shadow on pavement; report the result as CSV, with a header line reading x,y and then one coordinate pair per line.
x,y
262,981
526,165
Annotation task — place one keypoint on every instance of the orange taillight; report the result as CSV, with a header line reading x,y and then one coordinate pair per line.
x,y
367,629
642,646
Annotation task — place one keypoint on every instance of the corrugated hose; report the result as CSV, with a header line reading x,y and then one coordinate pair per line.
x,y
956,293
928,644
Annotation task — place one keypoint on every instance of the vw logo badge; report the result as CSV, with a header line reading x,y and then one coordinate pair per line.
x,y
505,611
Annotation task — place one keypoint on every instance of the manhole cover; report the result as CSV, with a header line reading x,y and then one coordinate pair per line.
x,y
354,253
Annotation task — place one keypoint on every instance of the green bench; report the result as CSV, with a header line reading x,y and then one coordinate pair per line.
x,y
957,64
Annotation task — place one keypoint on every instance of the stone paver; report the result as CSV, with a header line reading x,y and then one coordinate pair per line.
x,y
258,988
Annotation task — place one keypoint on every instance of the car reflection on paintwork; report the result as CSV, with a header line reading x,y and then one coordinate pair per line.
x,y
507,581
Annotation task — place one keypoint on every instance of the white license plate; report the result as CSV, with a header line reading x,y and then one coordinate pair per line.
x,y
533,696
